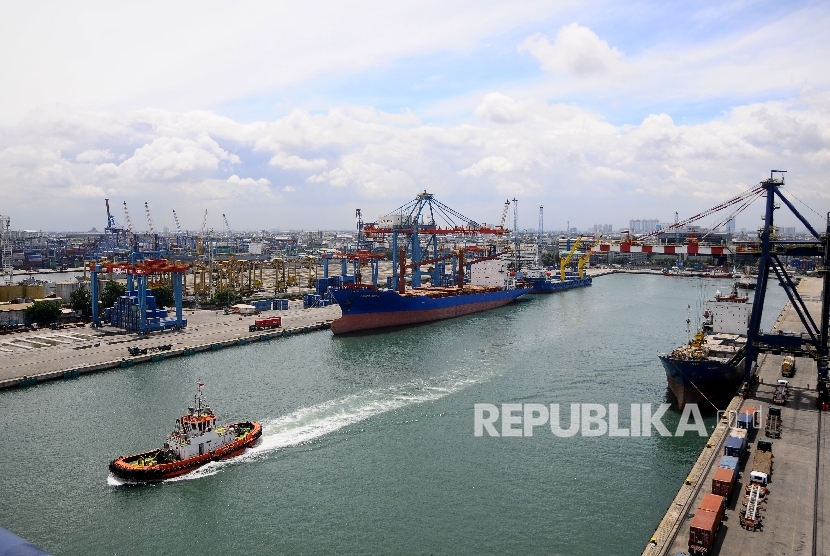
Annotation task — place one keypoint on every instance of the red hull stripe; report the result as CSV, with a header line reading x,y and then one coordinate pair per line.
x,y
368,321
170,470
691,249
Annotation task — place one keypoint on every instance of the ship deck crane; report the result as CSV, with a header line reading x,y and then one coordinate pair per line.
x,y
564,262
583,260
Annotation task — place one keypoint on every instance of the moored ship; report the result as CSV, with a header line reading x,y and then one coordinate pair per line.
x,y
196,441
365,307
541,281
709,368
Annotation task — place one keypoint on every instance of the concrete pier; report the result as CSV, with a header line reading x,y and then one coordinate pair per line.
x,y
70,352
794,514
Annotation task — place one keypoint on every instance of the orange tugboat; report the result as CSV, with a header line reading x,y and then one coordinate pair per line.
x,y
194,442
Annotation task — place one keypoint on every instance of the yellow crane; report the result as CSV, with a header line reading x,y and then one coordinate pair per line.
x,y
564,262
583,260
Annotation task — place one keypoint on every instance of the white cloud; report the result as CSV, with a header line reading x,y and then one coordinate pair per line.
x,y
170,158
558,155
107,54
249,183
500,108
95,155
294,162
577,51
489,164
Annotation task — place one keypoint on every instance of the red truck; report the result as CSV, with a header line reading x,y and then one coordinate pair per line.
x,y
706,523
266,324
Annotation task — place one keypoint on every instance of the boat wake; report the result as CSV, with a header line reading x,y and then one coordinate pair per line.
x,y
309,423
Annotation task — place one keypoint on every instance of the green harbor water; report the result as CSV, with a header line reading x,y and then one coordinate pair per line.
x,y
368,444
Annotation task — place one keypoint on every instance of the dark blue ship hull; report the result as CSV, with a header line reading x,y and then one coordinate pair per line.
x,y
546,285
696,381
365,309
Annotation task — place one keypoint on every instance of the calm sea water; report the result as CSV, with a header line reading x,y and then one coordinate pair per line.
x,y
368,442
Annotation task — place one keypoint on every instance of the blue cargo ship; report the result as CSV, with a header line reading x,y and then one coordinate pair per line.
x,y
366,308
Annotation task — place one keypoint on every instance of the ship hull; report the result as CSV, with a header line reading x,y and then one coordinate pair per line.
x,y
122,469
372,310
700,380
542,286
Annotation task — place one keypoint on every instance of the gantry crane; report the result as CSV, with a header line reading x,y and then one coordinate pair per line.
x,y
418,218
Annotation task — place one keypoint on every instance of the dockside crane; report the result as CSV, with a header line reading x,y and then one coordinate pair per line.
x,y
201,239
153,233
181,238
130,228
503,220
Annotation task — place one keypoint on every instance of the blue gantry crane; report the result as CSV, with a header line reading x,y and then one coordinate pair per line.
x,y
771,250
415,228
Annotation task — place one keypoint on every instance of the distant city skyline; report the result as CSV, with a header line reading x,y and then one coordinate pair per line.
x,y
281,118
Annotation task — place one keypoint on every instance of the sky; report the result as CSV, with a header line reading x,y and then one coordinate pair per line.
x,y
286,115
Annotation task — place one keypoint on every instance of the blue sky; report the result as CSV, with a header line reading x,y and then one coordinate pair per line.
x,y
291,116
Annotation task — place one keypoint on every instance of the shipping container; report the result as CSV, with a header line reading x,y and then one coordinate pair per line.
x,y
703,530
745,421
724,481
728,462
713,503
734,447
738,433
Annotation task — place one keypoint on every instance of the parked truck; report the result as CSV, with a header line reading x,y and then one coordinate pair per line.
x,y
762,464
266,324
788,366
773,428
706,523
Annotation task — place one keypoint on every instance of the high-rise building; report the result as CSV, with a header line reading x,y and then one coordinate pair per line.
x,y
643,226
730,226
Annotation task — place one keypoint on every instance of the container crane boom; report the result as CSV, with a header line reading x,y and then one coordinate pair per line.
x,y
176,220
127,218
745,197
504,212
149,220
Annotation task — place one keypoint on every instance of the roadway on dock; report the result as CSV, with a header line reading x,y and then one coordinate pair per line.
x,y
794,512
45,352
